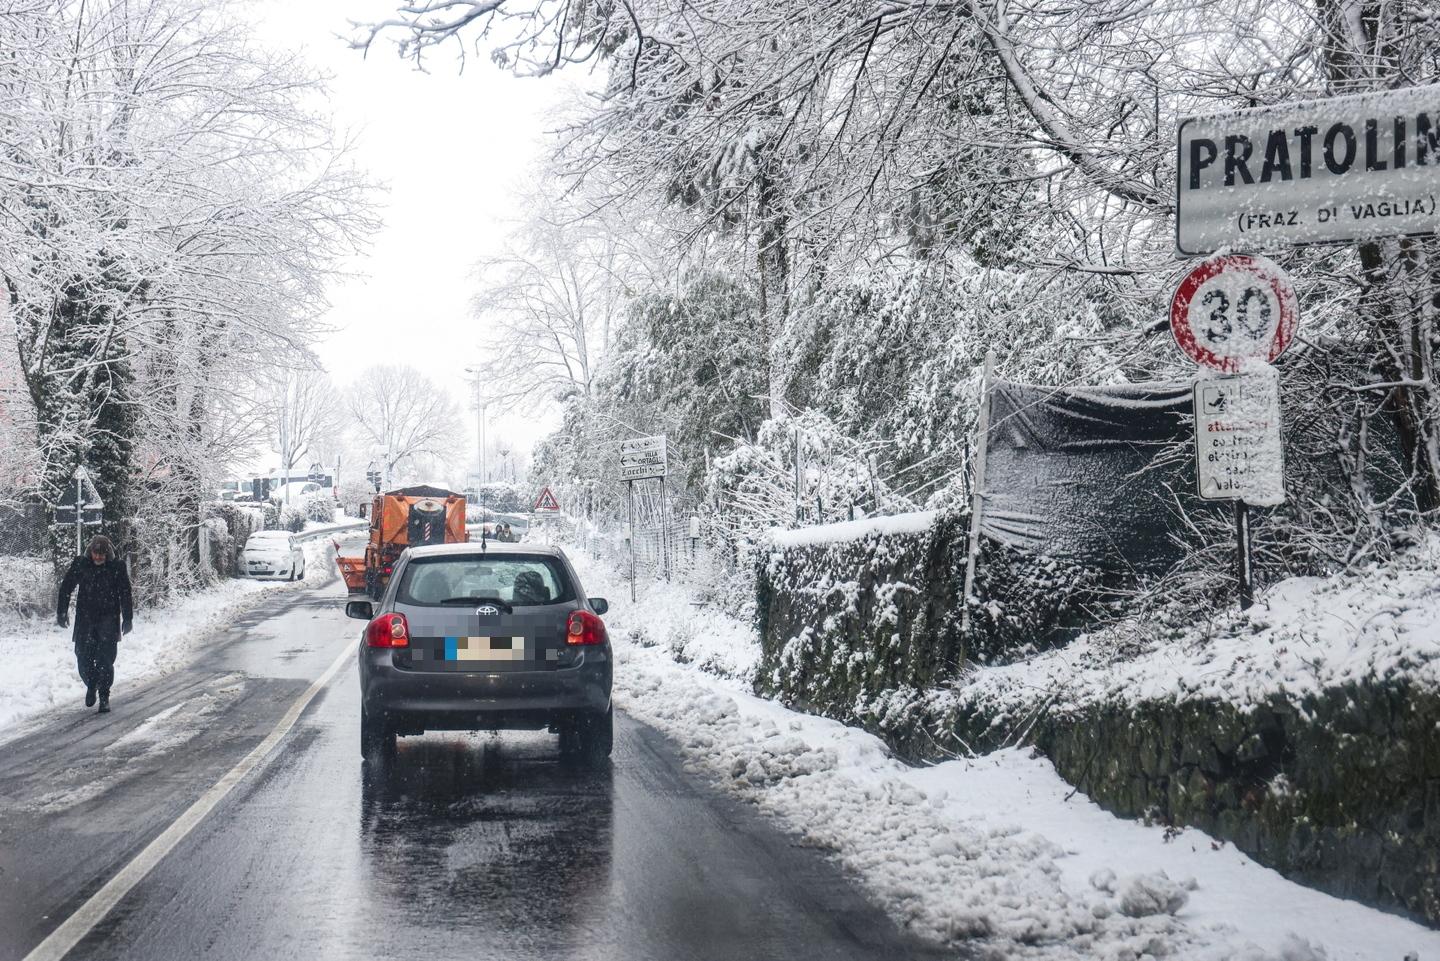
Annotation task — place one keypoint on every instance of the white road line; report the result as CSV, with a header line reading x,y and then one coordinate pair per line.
x,y
102,902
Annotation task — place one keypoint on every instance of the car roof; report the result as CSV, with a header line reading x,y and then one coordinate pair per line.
x,y
268,535
491,547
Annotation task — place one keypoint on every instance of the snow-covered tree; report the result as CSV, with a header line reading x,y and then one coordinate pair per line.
x,y
169,207
548,301
302,411
835,158
410,423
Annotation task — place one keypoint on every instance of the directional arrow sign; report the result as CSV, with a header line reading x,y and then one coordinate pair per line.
x,y
643,457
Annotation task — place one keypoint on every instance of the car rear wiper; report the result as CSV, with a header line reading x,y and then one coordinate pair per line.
x,y
479,599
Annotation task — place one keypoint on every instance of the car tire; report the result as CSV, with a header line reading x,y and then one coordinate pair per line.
x,y
589,737
377,739
302,572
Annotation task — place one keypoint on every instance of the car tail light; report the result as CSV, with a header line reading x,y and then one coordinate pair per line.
x,y
585,628
387,569
388,630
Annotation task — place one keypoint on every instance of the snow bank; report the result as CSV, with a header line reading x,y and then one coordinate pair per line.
x,y
667,617
998,850
40,674
1304,635
915,523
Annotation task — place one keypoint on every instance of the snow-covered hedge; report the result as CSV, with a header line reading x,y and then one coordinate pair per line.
x,y
232,525
27,586
294,519
851,611
319,507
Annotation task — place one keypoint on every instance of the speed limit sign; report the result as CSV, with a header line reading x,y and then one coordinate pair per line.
x,y
1233,308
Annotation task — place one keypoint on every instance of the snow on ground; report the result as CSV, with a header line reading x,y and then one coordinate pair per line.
x,y
40,674
997,850
1303,635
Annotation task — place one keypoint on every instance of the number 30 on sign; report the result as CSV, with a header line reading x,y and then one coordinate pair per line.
x,y
1233,308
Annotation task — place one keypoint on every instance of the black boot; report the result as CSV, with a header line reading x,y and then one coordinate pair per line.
x,y
104,702
89,695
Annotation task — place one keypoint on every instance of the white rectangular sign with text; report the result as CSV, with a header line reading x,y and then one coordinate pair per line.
x,y
1347,168
1237,439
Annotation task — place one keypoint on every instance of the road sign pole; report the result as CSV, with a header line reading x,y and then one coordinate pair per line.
x,y
664,530
79,514
1243,571
630,504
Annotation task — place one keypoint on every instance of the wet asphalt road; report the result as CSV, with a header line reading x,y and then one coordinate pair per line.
x,y
464,846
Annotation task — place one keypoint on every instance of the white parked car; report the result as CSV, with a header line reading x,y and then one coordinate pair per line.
x,y
273,554
296,492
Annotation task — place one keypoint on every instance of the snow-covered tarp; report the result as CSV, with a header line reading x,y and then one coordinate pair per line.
x,y
1079,471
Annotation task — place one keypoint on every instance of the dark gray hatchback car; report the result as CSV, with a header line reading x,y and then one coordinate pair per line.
x,y
472,637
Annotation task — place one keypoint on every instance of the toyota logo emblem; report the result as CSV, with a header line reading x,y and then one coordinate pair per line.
x,y
487,610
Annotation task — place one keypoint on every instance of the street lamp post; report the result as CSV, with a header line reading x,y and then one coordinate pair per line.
x,y
480,405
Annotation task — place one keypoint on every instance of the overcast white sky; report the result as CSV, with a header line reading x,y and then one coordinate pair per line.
x,y
452,149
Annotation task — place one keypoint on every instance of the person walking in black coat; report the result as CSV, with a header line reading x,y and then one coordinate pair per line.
x,y
103,611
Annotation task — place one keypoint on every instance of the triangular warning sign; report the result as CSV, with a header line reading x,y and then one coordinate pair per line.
x,y
546,501
80,490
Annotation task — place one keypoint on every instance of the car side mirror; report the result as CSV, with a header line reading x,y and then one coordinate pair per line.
x,y
363,610
599,605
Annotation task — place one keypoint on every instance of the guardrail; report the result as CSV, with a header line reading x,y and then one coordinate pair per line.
x,y
332,531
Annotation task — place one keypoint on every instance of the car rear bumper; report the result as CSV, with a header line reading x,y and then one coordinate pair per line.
x,y
475,700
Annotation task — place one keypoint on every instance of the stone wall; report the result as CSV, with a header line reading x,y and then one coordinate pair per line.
x,y
1339,790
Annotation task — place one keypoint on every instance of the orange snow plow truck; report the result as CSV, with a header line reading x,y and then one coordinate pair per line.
x,y
407,517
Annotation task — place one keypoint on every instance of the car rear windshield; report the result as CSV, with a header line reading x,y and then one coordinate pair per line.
x,y
517,579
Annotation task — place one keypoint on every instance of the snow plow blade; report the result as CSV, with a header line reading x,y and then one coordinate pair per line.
x,y
352,571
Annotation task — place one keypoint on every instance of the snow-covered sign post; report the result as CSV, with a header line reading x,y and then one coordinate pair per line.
x,y
1234,315
642,458
1346,168
80,505
546,506
546,503
1361,167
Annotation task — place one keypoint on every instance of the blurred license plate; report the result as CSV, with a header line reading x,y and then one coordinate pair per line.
x,y
485,649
